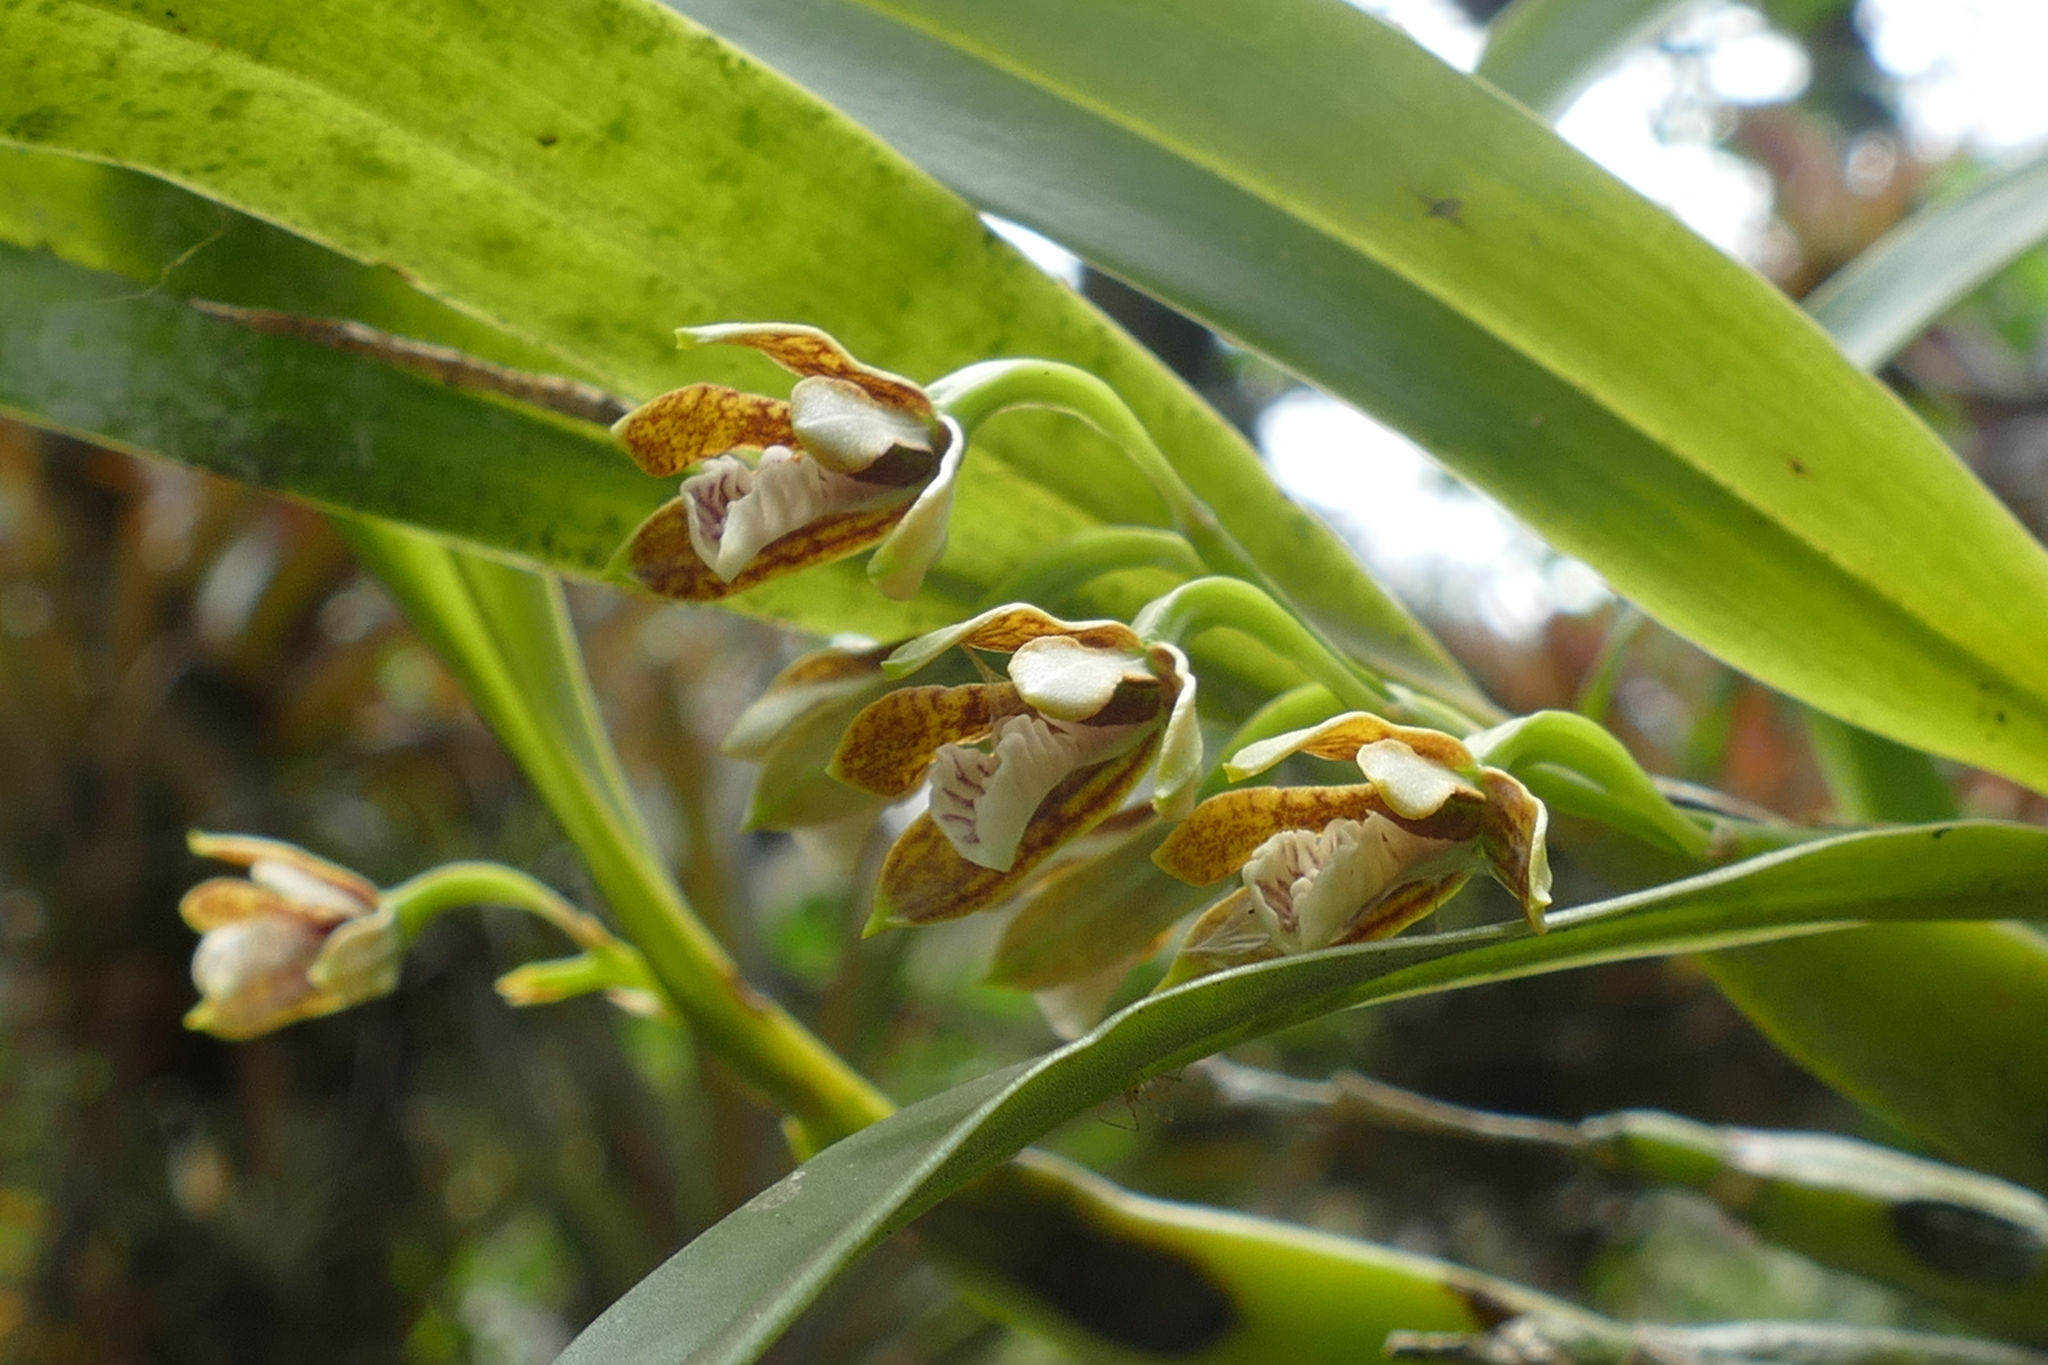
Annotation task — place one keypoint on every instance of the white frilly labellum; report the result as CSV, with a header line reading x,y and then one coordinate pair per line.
x,y
982,802
1308,885
736,511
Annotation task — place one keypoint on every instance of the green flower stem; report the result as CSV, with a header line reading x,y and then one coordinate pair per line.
x,y
606,962
1209,603
1592,775
1052,575
419,900
1296,709
505,634
972,395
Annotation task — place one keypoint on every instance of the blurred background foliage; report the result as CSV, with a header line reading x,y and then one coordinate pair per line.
x,y
435,1178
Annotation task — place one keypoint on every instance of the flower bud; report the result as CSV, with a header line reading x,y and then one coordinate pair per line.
x,y
296,938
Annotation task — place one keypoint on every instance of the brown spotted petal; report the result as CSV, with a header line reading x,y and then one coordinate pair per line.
x,y
924,878
1406,903
667,435
1214,842
823,679
1514,830
1342,737
807,351
889,746
1003,630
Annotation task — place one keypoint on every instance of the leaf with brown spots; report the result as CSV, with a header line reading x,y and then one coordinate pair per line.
x,y
667,435
891,742
807,351
924,880
661,558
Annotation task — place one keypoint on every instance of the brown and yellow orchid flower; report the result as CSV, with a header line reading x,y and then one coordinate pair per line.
x,y
297,938
855,457
1019,766
1325,866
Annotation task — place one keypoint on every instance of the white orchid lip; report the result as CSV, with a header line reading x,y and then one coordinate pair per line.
x,y
982,800
737,510
1308,886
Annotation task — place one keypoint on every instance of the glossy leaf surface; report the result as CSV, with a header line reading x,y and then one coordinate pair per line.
x,y
727,1295
588,174
1432,253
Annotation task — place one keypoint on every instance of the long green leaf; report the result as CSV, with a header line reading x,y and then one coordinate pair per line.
x,y
95,355
1431,252
1879,302
1545,52
707,1304
588,174
1875,1012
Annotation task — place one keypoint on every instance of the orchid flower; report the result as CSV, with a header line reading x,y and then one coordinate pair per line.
x,y
1324,866
855,457
1017,767
297,938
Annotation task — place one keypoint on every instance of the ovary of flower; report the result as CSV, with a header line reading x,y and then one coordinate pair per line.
x,y
982,801
736,510
1308,885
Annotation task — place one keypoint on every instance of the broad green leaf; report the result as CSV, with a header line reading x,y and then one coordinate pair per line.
x,y
1932,1026
1875,305
1875,1013
95,355
725,1296
1434,254
586,175
134,369
1546,52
